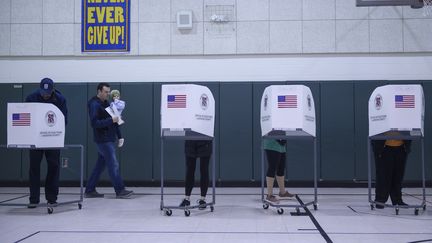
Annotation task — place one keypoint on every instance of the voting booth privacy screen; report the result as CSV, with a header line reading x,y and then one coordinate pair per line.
x,y
36,125
288,108
396,108
187,107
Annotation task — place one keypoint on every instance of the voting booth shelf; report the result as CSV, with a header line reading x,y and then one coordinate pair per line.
x,y
396,112
288,113
187,113
39,126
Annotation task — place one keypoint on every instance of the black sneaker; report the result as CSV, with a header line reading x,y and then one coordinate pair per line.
x,y
52,204
32,205
202,204
379,206
184,203
401,203
93,194
124,194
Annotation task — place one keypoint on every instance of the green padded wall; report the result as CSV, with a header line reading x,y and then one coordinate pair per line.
x,y
342,129
236,139
10,165
137,153
337,130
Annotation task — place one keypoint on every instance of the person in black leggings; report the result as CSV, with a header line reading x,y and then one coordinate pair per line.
x,y
276,157
197,149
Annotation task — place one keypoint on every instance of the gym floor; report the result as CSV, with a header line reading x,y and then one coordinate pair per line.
x,y
343,215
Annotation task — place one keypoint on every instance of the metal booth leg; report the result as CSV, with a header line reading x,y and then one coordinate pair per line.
x,y
162,172
369,172
315,175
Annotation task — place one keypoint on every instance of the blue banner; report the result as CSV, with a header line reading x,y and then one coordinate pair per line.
x,y
105,26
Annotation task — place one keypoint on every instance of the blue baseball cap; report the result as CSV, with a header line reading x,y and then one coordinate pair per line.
x,y
46,86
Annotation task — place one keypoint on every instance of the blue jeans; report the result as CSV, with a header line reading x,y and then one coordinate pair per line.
x,y
106,157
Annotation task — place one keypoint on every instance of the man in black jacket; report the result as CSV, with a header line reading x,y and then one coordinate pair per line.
x,y
105,133
46,94
390,160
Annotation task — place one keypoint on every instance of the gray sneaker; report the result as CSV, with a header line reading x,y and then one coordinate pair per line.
x,y
124,194
272,199
93,194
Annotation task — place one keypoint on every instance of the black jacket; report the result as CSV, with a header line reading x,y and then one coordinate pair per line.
x,y
198,148
56,99
104,129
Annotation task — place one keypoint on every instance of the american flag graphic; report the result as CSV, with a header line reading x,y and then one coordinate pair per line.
x,y
287,101
404,101
21,119
176,101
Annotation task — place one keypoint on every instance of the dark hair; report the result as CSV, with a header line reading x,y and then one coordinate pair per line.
x,y
101,85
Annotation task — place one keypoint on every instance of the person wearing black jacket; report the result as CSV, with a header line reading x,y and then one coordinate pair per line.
x,y
390,160
105,133
46,94
197,149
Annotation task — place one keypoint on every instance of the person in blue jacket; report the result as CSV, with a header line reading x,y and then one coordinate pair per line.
x,y
105,133
46,94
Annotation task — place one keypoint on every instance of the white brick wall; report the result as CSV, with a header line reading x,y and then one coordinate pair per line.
x,y
52,27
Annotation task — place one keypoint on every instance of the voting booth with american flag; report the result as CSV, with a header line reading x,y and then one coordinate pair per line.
x,y
187,107
288,113
35,125
187,113
288,108
41,126
396,112
396,108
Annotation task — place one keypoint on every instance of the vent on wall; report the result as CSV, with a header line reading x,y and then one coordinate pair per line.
x,y
184,20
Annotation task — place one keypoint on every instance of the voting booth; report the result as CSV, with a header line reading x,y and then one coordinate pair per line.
x,y
187,107
38,126
187,113
397,108
35,125
396,112
288,113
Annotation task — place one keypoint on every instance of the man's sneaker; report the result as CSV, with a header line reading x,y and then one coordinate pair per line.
x,y
93,194
379,205
52,204
401,203
272,199
124,194
32,205
184,203
286,195
202,204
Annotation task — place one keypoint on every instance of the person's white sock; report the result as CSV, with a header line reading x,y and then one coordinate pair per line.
x,y
202,198
187,198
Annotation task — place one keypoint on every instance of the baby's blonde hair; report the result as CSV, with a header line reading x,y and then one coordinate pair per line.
x,y
115,93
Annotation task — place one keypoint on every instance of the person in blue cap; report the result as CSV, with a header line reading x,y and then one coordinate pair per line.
x,y
46,94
